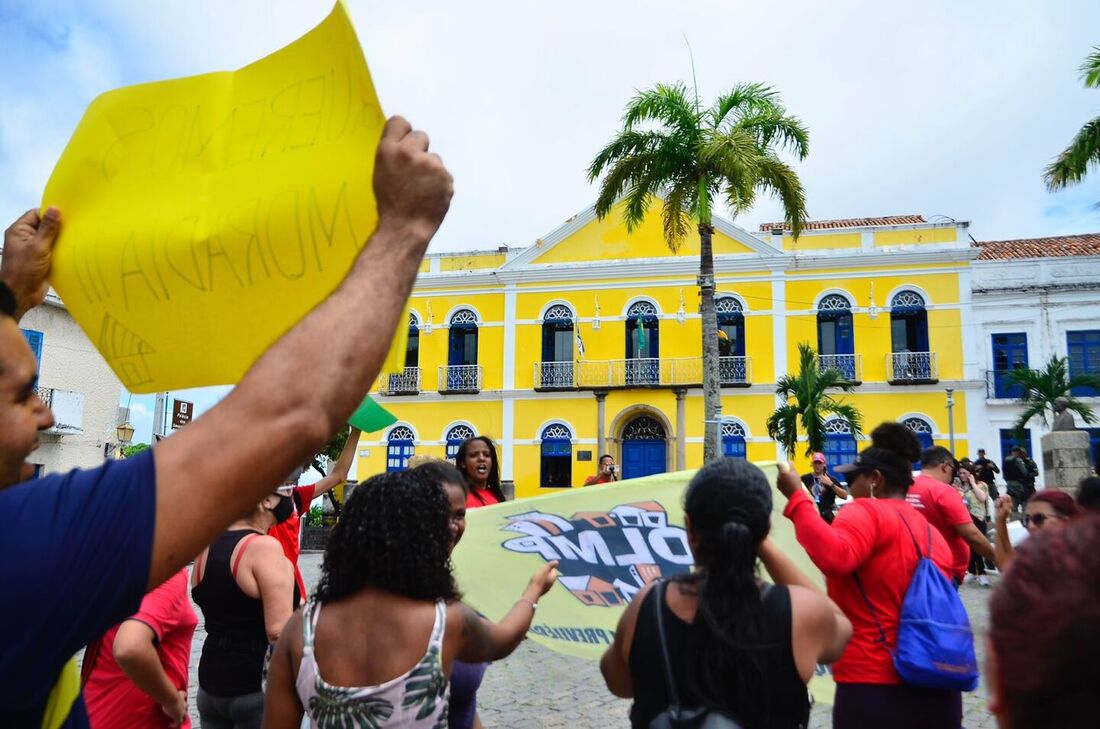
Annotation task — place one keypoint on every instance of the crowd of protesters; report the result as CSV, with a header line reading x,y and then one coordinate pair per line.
x,y
103,554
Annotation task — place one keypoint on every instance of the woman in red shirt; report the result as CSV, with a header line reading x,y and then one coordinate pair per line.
x,y
477,460
870,538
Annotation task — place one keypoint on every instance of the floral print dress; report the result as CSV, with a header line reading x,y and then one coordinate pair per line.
x,y
416,699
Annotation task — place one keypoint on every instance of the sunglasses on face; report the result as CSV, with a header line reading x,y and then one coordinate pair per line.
x,y
1039,519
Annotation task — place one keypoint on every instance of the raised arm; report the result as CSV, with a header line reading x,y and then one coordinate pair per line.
x,y
299,397
838,549
1003,550
484,640
340,469
28,249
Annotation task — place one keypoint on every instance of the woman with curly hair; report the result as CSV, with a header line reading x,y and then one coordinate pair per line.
x,y
375,644
477,460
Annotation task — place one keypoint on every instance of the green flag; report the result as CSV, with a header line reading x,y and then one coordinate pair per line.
x,y
370,417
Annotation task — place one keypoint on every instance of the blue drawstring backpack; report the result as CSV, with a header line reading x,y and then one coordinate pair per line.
x,y
935,644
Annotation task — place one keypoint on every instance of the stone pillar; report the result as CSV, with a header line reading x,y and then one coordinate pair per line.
x,y
601,418
1066,458
681,437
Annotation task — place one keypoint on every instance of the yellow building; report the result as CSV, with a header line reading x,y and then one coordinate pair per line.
x,y
589,342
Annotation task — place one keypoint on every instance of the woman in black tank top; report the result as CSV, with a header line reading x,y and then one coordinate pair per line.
x,y
736,645
238,629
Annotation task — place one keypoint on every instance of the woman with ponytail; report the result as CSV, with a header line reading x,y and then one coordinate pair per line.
x,y
737,645
868,558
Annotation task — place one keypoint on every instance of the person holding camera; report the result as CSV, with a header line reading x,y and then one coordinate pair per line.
x,y
823,488
608,471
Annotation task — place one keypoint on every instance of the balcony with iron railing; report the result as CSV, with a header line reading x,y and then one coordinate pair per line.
x,y
912,368
554,376
67,408
654,372
850,365
405,382
1000,385
457,379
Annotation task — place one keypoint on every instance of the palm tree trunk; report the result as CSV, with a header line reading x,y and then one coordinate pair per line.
x,y
712,392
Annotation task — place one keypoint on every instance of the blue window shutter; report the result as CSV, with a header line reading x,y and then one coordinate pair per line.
x,y
34,341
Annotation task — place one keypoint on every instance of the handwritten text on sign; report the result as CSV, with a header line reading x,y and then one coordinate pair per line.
x,y
204,216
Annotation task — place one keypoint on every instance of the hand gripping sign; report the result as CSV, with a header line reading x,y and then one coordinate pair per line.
x,y
204,216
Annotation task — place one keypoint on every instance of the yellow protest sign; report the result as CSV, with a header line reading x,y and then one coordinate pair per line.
x,y
204,216
610,541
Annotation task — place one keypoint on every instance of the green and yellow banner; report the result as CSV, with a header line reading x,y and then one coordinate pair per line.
x,y
610,541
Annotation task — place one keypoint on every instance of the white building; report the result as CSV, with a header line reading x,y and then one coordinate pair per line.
x,y
1032,299
75,381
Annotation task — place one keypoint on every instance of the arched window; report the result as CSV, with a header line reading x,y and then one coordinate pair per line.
x,y
835,338
923,430
733,440
731,341
644,450
556,370
642,346
412,348
407,381
399,448
840,444
557,457
462,352
911,358
455,437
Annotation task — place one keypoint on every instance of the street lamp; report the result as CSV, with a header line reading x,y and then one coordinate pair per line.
x,y
125,433
951,419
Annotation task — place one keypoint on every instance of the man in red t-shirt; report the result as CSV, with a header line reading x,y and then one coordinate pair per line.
x,y
289,532
608,472
934,496
136,675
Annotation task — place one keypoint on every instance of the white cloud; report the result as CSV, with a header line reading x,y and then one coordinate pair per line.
x,y
939,108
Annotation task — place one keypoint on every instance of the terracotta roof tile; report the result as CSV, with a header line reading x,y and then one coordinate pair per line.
x,y
1087,244
848,223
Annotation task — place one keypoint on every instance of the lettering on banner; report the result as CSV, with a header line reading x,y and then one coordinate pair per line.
x,y
605,558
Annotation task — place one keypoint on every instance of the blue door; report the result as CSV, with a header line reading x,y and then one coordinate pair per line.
x,y
835,338
461,352
643,458
1009,353
644,452
642,346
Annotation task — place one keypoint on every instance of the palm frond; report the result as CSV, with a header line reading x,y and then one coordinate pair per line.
x,y
1030,411
1075,161
743,99
778,178
783,428
627,143
1090,69
668,104
674,215
1087,414
774,127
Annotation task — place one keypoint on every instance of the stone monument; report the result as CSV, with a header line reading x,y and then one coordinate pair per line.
x,y
1065,451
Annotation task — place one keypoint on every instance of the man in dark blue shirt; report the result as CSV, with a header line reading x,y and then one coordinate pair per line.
x,y
81,549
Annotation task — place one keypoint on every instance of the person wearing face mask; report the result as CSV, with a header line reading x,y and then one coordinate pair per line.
x,y
244,585
1047,509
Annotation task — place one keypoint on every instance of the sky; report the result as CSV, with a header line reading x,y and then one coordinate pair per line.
x,y
940,108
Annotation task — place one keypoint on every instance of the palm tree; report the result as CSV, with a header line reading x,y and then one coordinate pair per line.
x,y
671,147
1043,387
809,390
1083,152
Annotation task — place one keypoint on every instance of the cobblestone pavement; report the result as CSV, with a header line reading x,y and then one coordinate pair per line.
x,y
536,687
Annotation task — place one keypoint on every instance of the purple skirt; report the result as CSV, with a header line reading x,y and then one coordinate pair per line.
x,y
465,680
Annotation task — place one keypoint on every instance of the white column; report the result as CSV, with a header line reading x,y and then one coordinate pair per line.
x,y
779,338
509,338
507,442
